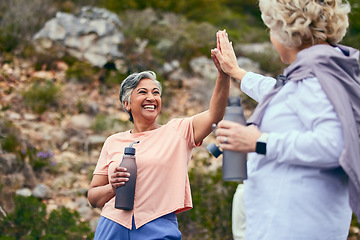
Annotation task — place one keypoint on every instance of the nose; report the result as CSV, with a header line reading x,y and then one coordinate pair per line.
x,y
150,97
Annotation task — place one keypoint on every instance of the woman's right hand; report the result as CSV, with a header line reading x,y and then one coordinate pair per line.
x,y
119,177
226,57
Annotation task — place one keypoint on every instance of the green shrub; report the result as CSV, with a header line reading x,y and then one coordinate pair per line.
x,y
354,230
10,143
102,123
29,221
9,136
269,62
41,95
21,19
82,72
212,200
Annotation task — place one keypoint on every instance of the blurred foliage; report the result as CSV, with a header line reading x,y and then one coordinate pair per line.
x,y
155,37
29,221
101,124
354,233
82,72
353,36
37,159
41,95
242,19
156,31
9,136
17,21
212,200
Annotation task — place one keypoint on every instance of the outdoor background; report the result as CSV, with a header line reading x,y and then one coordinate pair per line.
x,y
57,108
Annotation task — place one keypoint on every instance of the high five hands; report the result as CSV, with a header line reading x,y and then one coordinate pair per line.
x,y
231,135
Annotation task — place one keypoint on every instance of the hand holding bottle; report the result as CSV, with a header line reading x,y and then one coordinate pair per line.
x,y
119,177
237,137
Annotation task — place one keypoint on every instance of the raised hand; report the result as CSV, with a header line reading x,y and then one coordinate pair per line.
x,y
226,57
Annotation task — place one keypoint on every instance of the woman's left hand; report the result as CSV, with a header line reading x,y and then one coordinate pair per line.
x,y
236,137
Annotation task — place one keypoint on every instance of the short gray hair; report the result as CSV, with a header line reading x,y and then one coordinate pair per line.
x,y
131,82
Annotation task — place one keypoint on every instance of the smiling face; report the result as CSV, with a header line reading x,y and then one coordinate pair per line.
x,y
145,102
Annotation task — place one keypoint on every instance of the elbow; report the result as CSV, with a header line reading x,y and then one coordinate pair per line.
x,y
93,201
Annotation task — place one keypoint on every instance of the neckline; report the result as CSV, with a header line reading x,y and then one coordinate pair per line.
x,y
144,132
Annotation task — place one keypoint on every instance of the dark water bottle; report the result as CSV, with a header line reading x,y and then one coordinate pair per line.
x,y
234,163
124,198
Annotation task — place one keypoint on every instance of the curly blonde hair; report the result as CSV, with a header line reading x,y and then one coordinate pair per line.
x,y
296,23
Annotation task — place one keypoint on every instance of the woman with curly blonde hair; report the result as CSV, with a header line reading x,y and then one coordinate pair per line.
x,y
303,138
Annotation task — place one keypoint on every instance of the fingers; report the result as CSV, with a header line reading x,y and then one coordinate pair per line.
x,y
226,124
223,42
225,131
215,60
119,177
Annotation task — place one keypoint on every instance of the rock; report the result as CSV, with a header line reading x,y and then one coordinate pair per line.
x,y
93,35
29,175
204,67
81,121
93,223
14,116
25,192
7,162
40,191
171,66
249,65
255,48
96,140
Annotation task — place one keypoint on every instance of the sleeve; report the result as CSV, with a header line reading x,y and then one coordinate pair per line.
x,y
321,144
256,85
102,164
184,127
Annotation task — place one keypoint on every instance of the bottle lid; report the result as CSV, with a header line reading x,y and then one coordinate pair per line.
x,y
130,150
234,101
214,150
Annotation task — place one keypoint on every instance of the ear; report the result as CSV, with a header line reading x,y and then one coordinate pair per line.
x,y
127,106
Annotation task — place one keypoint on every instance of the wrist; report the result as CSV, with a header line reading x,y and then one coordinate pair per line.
x,y
261,144
238,73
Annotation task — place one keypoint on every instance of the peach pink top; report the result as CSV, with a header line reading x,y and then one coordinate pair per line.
x,y
162,184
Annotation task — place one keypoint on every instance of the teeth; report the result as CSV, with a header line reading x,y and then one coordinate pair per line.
x,y
152,107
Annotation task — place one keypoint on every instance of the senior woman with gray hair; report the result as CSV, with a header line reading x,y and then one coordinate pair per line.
x,y
303,138
162,157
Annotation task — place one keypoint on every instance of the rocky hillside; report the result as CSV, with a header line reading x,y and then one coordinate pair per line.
x,y
70,132
58,104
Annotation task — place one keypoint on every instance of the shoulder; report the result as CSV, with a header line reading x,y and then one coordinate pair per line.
x,y
180,122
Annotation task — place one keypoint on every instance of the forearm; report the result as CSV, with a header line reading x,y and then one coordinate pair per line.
x,y
100,195
203,121
219,98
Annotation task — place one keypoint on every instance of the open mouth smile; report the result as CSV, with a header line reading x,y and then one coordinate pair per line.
x,y
149,107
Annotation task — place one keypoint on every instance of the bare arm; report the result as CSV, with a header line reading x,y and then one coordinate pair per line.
x,y
101,190
203,121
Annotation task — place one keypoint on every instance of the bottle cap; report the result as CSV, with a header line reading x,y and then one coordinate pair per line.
x,y
130,150
214,150
234,101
